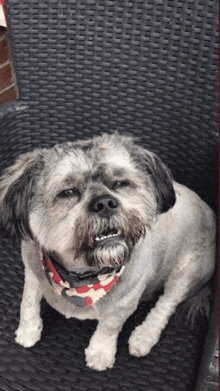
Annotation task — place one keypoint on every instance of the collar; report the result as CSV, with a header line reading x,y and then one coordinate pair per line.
x,y
82,290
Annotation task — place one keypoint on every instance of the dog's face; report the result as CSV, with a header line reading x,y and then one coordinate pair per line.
x,y
86,203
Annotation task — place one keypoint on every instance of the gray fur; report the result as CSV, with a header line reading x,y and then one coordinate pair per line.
x,y
60,200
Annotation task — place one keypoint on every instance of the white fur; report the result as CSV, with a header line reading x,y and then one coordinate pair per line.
x,y
30,326
178,251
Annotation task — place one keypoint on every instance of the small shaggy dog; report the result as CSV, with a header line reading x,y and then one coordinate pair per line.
x,y
102,226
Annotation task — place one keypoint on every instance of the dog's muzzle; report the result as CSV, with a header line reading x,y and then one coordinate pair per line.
x,y
82,290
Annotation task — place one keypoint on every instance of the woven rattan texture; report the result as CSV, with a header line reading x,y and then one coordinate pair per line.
x,y
57,362
144,67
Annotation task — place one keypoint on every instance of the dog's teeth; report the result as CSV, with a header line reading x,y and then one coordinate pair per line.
x,y
99,238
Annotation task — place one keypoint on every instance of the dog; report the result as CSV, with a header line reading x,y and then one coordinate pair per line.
x,y
103,225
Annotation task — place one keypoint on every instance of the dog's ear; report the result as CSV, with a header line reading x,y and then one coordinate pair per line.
x,y
159,175
16,190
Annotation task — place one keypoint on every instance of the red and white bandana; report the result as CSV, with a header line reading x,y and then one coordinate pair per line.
x,y
81,290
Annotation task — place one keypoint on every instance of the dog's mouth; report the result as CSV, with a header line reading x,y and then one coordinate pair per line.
x,y
107,242
108,236
109,248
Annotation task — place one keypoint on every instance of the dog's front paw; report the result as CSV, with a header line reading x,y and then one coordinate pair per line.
x,y
27,336
101,357
141,341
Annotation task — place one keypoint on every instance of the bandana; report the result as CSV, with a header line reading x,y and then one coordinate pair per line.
x,y
82,290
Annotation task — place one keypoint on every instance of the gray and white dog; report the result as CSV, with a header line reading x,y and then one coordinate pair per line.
x,y
103,225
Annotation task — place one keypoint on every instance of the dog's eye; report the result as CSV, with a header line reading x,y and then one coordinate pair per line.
x,y
120,184
69,193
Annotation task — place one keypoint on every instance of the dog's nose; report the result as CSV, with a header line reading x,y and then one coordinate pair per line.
x,y
104,205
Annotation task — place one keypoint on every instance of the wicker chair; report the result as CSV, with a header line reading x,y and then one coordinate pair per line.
x,y
147,68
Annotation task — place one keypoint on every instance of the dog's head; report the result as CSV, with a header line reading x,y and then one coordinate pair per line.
x,y
88,202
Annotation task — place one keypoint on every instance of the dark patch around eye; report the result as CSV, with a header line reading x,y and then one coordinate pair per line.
x,y
69,193
119,172
120,184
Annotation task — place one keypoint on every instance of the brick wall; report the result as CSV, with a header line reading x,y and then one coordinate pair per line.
x,y
8,88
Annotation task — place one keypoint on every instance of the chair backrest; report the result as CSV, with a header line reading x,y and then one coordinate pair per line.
x,y
143,67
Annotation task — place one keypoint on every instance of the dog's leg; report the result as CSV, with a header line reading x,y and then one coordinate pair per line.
x,y
100,354
145,336
30,326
